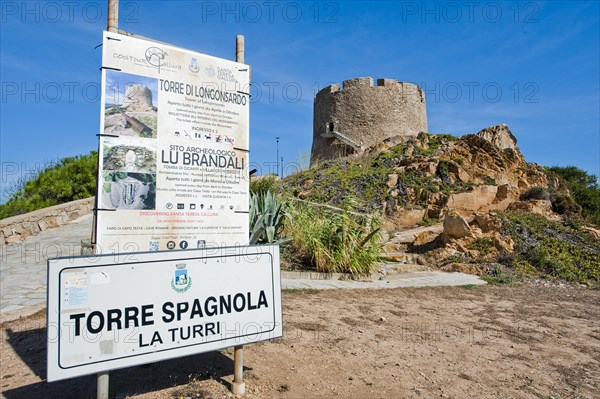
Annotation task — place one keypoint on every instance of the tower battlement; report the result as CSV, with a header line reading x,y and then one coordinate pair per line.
x,y
363,113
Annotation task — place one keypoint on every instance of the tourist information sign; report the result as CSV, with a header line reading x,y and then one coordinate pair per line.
x,y
115,311
173,153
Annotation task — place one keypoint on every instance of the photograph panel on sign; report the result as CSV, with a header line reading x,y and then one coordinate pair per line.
x,y
130,107
124,154
126,190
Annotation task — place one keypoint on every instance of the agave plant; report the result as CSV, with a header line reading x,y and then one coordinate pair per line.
x,y
267,219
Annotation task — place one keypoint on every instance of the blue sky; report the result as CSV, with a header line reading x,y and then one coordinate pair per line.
x,y
533,65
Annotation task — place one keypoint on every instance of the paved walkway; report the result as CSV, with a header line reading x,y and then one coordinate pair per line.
x,y
401,280
23,275
23,271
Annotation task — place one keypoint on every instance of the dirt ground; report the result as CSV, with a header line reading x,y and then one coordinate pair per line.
x,y
519,341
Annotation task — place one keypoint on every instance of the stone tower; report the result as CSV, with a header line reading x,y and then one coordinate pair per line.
x,y
138,98
349,120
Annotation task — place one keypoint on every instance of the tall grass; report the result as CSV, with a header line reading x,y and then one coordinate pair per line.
x,y
263,184
333,241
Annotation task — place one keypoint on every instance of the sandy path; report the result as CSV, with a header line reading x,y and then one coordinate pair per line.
x,y
477,342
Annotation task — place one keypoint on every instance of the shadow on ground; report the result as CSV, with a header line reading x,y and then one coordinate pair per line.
x,y
31,348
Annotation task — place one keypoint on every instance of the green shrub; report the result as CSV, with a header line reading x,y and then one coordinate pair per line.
x,y
536,193
67,180
332,241
584,190
498,276
483,245
490,181
564,204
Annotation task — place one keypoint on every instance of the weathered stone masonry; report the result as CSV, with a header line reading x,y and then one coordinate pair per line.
x,y
361,115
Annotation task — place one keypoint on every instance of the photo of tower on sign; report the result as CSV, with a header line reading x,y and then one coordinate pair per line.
x,y
129,108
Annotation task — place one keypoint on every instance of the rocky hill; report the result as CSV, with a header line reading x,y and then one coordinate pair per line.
x,y
419,178
491,212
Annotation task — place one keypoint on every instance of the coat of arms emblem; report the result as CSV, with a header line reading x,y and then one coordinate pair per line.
x,y
194,67
181,281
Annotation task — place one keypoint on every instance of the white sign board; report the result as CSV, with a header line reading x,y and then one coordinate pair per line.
x,y
109,312
173,154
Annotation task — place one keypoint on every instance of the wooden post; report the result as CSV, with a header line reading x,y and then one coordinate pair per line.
x,y
238,387
112,26
239,49
113,16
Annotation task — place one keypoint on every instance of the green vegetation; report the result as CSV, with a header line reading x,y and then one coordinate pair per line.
x,y
365,179
536,193
490,181
332,241
262,184
67,180
429,221
551,249
434,143
584,190
337,180
483,245
498,276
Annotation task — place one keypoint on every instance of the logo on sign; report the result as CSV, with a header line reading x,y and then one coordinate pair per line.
x,y
210,71
226,74
194,67
155,56
182,281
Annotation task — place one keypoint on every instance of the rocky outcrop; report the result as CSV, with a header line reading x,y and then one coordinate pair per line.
x,y
500,136
420,178
455,226
407,217
471,201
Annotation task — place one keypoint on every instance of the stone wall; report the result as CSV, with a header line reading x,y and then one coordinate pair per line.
x,y
362,115
17,228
